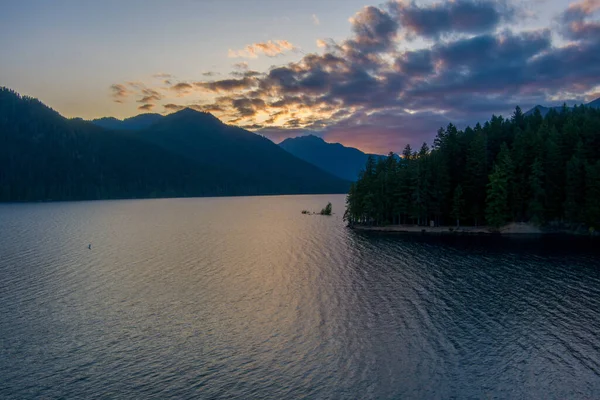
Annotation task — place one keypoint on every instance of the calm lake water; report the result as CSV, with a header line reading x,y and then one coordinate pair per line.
x,y
248,298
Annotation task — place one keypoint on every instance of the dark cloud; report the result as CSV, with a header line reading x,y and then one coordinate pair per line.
x,y
460,16
228,85
374,30
575,23
246,74
182,87
415,63
366,91
146,107
247,107
172,107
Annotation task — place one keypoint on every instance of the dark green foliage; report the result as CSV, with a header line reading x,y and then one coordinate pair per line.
x,y
497,199
531,168
575,186
326,210
458,205
592,195
44,156
538,193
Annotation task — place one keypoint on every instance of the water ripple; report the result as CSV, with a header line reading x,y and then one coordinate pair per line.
x,y
248,298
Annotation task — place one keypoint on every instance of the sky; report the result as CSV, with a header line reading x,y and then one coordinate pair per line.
x,y
376,76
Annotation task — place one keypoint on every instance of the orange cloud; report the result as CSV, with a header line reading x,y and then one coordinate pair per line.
x,y
119,92
586,6
269,48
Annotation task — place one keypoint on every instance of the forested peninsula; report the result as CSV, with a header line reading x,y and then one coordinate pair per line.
x,y
540,170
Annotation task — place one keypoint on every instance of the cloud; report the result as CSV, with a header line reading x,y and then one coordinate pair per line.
x,y
247,107
149,96
374,30
119,92
170,107
162,75
182,88
146,107
575,20
210,73
459,16
269,48
315,19
228,85
149,99
373,92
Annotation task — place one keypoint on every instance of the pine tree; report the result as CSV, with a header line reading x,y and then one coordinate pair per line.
x,y
592,195
499,189
476,177
575,186
538,194
458,204
497,212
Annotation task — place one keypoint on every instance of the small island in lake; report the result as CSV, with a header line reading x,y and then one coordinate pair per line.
x,y
325,211
530,174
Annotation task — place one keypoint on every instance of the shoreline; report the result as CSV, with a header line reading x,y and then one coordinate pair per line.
x,y
512,229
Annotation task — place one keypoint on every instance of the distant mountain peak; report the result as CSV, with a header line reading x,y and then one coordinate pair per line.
x,y
335,158
136,122
594,103
200,116
305,138
544,110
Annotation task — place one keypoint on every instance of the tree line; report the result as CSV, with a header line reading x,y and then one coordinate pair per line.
x,y
528,168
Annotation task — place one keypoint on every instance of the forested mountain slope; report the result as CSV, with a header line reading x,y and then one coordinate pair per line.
x,y
202,137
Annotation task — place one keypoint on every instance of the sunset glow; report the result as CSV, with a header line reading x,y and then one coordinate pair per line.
x,y
372,76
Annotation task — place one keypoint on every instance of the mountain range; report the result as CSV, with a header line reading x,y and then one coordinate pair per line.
x,y
544,110
134,123
341,161
44,156
344,162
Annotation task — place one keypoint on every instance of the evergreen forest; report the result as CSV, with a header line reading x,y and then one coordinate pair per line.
x,y
544,170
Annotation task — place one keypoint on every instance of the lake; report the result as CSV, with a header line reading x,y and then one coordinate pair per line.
x,y
248,298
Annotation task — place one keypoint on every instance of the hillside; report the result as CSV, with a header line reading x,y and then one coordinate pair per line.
x,y
134,123
202,137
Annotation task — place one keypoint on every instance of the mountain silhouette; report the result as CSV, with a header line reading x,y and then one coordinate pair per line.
x,y
44,156
544,110
344,162
200,136
134,123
